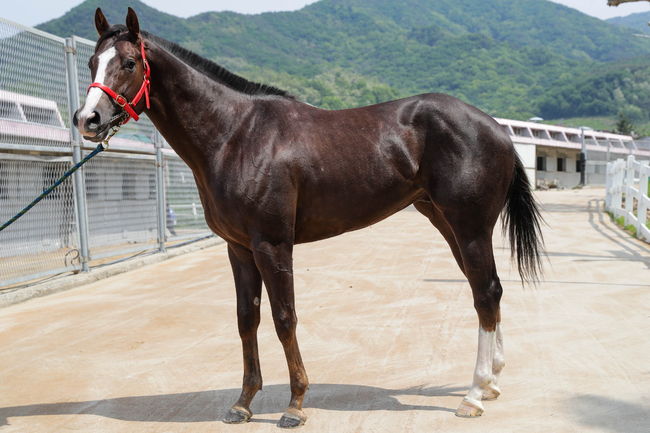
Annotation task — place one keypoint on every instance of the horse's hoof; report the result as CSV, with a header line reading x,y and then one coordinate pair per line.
x,y
292,418
237,415
469,408
492,392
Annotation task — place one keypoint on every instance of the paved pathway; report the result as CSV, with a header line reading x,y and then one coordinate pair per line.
x,y
387,330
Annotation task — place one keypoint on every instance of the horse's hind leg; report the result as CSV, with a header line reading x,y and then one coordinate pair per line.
x,y
426,208
489,391
248,283
498,360
475,246
438,219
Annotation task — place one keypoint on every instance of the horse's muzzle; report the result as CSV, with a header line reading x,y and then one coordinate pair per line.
x,y
92,129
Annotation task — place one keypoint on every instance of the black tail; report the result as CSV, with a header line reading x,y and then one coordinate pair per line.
x,y
522,220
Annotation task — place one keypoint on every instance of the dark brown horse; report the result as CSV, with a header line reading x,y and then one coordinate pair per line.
x,y
273,171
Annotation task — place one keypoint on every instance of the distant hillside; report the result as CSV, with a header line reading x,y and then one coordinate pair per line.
x,y
80,19
637,22
615,88
502,56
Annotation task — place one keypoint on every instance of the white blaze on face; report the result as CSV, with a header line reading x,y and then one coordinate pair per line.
x,y
95,93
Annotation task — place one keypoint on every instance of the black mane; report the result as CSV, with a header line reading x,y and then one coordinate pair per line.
x,y
203,65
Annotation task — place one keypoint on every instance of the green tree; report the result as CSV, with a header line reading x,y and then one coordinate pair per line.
x,y
623,125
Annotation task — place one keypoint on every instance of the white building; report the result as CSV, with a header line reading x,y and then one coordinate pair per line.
x,y
551,154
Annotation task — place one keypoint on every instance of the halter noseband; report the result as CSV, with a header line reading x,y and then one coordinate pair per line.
x,y
120,100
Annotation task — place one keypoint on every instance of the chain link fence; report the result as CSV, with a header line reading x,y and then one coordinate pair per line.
x,y
44,240
120,203
34,106
184,211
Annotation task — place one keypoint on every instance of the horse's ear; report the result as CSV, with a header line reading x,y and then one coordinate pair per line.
x,y
132,23
101,23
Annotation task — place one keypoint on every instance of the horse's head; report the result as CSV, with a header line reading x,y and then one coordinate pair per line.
x,y
119,73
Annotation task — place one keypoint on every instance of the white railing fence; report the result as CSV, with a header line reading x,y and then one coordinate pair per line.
x,y
627,193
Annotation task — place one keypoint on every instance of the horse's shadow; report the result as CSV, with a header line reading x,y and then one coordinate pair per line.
x,y
210,406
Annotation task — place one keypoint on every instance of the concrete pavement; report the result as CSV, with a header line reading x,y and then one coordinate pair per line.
x,y
387,332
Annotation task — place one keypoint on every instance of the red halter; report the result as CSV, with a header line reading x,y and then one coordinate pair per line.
x,y
144,90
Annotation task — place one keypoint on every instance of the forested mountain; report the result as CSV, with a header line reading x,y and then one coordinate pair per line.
x,y
510,58
638,22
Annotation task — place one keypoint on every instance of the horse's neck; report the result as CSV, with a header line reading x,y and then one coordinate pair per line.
x,y
194,113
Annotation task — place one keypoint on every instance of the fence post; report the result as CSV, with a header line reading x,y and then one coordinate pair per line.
x,y
620,182
608,185
160,191
629,182
78,180
641,216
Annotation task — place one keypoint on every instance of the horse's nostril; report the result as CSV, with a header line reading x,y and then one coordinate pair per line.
x,y
93,121
75,120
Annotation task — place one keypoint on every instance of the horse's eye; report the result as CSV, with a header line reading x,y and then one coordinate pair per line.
x,y
129,64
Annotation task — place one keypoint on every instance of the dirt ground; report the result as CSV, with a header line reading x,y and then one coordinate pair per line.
x,y
386,327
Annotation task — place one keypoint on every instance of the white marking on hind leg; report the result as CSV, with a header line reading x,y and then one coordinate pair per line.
x,y
471,405
95,93
498,362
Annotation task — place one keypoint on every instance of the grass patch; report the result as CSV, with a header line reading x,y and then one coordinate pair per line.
x,y
630,229
620,221
599,123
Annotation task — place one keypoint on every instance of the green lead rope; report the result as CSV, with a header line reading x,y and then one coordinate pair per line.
x,y
100,148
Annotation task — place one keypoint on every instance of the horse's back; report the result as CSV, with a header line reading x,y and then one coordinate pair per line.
x,y
439,143
357,166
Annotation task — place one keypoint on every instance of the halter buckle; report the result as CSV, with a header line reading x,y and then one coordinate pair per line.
x,y
121,101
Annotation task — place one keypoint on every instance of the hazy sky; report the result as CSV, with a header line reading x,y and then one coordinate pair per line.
x,y
32,12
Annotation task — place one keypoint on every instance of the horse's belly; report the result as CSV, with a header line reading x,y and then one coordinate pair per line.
x,y
324,218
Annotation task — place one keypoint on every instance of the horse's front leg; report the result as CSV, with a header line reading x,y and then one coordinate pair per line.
x,y
274,261
248,283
